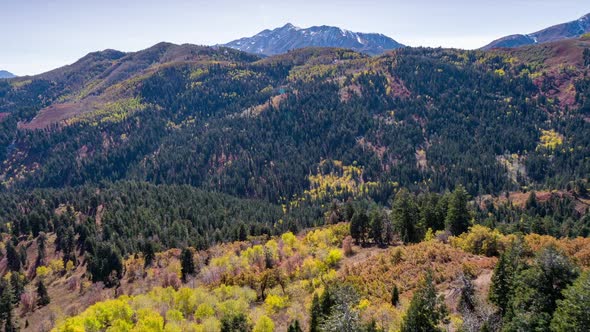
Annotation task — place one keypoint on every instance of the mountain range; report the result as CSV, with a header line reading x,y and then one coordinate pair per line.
x,y
6,74
557,32
143,115
290,37
275,192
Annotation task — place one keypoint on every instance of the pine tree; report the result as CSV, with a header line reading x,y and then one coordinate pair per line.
x,y
7,299
376,222
326,302
42,295
426,310
149,254
106,264
242,232
14,261
572,312
467,299
405,217
395,296
343,315
235,323
315,314
458,218
358,226
372,326
17,282
531,202
429,214
501,286
536,291
187,263
294,327
348,211
41,248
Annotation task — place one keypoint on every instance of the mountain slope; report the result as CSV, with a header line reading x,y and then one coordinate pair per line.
x,y
101,81
311,123
562,31
5,74
290,37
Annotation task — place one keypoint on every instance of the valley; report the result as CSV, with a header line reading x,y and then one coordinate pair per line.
x,y
299,180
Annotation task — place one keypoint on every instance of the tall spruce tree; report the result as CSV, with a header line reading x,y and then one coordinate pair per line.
x,y
294,326
315,314
395,296
426,311
42,295
537,290
502,281
572,313
377,227
13,257
187,263
7,300
359,226
405,217
458,218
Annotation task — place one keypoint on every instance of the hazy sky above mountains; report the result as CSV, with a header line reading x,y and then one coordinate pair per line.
x,y
39,35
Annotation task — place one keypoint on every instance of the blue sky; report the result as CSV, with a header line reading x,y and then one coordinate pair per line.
x,y
39,35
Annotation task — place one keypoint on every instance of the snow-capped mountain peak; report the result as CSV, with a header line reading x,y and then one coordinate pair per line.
x,y
289,37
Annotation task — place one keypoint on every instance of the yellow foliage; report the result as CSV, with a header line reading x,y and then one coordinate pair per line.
x,y
142,312
211,324
273,303
550,139
264,324
481,240
204,310
149,320
114,111
310,268
70,266
364,304
42,271
174,316
500,72
56,265
333,178
334,257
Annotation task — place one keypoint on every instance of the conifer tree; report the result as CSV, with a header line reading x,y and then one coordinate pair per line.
x,y
315,314
405,217
501,286
458,218
536,291
467,299
395,296
376,222
13,258
531,202
42,295
358,226
427,311
236,322
7,299
41,248
572,312
149,254
187,264
294,326
326,302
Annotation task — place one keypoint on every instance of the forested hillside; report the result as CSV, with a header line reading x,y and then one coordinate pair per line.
x,y
420,118
311,190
